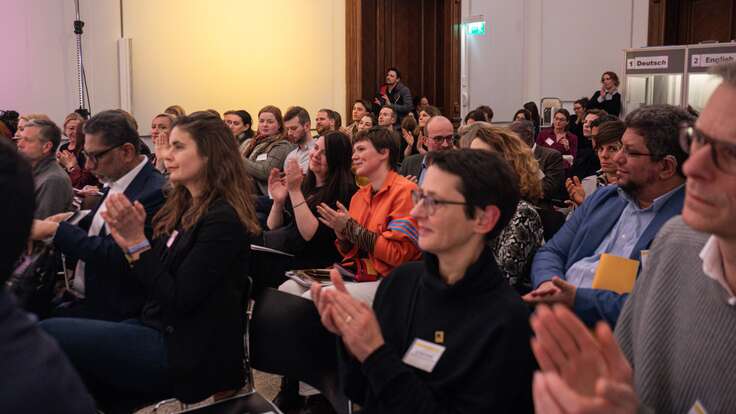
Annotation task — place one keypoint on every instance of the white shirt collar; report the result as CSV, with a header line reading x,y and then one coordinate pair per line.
x,y
123,182
713,266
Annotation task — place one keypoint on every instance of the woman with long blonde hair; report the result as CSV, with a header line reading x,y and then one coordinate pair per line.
x,y
514,248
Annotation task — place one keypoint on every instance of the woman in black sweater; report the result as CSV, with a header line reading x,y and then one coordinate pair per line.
x,y
188,341
608,97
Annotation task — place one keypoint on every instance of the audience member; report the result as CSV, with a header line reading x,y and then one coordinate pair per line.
x,y
71,158
325,121
360,109
102,280
607,142
267,150
549,160
439,138
160,128
558,138
523,115
396,94
474,116
487,110
421,132
69,128
534,112
240,123
586,161
577,119
608,98
461,329
38,143
175,110
38,377
298,125
619,220
187,341
368,121
409,140
24,119
8,124
387,117
377,233
515,246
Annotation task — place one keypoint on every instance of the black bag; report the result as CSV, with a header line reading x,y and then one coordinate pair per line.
x,y
34,279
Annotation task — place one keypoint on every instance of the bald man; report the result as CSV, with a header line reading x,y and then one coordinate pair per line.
x,y
440,135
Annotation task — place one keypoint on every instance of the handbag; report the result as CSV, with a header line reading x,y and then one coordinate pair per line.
x,y
34,279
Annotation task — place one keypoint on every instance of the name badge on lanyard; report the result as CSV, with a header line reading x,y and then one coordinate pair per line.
x,y
172,238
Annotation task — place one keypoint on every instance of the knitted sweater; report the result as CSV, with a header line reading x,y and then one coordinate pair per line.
x,y
678,330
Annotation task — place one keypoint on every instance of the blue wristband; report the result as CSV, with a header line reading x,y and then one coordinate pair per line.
x,y
138,247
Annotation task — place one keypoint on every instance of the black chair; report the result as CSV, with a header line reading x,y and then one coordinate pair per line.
x,y
287,338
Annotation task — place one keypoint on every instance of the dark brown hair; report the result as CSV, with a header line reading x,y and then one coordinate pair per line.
x,y
382,139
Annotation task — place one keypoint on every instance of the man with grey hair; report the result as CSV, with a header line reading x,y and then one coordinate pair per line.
x,y
550,160
677,332
617,222
38,143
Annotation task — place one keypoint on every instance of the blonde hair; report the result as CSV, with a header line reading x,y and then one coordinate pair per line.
x,y
71,117
31,117
507,144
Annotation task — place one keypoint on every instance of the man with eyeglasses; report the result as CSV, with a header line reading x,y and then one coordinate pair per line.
x,y
618,220
53,189
103,286
440,137
674,342
446,334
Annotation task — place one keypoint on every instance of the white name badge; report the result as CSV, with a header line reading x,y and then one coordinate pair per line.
x,y
697,408
549,141
262,157
423,355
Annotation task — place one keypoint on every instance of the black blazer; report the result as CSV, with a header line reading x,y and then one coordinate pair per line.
x,y
412,165
550,162
110,291
199,284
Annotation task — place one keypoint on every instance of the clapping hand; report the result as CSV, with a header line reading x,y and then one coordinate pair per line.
x,y
334,219
351,319
408,137
125,220
575,190
67,159
294,176
277,187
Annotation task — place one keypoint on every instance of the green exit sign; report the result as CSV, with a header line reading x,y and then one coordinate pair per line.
x,y
476,28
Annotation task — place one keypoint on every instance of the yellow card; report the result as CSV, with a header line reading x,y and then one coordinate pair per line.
x,y
615,273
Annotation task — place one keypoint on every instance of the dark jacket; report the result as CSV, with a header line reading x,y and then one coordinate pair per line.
x,y
196,296
399,97
610,104
110,291
550,162
487,364
412,165
37,378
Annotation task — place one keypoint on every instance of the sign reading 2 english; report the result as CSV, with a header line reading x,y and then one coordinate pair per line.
x,y
712,59
648,62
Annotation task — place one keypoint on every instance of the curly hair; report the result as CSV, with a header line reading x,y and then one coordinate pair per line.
x,y
511,147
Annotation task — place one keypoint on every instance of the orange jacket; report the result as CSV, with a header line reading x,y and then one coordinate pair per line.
x,y
386,213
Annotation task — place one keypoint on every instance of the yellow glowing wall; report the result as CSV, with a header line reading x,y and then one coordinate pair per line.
x,y
235,54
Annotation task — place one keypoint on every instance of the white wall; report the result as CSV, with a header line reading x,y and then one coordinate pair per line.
x,y
38,68
537,48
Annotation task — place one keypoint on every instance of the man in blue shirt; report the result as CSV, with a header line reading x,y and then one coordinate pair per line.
x,y
620,220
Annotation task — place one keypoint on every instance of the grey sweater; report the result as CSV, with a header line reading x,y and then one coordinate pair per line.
x,y
53,188
678,330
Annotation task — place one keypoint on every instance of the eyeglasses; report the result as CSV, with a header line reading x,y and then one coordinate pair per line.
x,y
629,153
722,153
94,157
439,139
430,203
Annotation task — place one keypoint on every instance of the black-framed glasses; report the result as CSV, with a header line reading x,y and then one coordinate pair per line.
x,y
430,203
94,157
722,153
439,139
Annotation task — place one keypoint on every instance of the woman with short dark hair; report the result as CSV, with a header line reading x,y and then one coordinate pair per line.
x,y
240,123
608,97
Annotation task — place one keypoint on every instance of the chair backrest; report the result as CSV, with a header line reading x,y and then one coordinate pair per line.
x,y
549,106
287,338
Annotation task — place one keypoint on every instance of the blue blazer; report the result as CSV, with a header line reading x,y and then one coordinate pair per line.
x,y
581,236
111,291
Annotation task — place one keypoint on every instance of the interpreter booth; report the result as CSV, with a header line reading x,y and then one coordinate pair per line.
x,y
700,58
654,75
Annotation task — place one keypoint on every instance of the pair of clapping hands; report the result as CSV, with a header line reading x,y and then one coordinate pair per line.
x,y
580,371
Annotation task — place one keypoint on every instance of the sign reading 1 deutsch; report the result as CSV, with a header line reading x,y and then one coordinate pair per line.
x,y
711,59
648,62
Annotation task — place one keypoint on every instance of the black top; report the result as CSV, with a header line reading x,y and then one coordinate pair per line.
x,y
195,291
611,105
487,364
577,130
37,377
